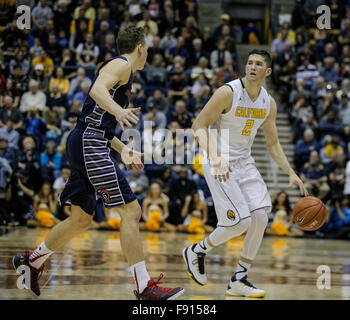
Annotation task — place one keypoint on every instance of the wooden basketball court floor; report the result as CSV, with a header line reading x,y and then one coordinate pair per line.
x,y
92,266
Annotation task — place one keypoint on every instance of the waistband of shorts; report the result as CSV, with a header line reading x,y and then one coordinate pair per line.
x,y
107,133
236,162
242,161
83,126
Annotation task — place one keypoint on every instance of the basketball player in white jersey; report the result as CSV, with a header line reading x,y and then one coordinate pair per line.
x,y
236,110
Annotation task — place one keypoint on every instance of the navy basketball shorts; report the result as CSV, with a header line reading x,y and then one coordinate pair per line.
x,y
94,173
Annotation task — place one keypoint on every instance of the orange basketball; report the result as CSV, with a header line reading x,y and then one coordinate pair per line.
x,y
309,213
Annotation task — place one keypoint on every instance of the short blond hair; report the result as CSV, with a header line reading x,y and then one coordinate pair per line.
x,y
28,139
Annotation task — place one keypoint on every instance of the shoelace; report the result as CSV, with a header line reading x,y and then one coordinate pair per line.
x,y
154,284
38,271
151,284
247,283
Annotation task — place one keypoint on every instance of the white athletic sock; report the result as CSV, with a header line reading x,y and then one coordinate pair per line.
x,y
242,269
40,254
142,277
203,246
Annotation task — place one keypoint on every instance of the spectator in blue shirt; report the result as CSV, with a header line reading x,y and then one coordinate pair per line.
x,y
179,49
344,109
304,147
104,16
35,127
5,173
337,225
76,83
341,212
50,162
328,71
314,176
181,115
10,134
82,94
331,125
178,85
8,153
41,14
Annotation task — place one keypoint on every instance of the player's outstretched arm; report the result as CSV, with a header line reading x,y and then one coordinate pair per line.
x,y
220,102
115,72
275,148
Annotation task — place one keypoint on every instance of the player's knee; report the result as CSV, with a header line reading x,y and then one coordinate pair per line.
x,y
241,226
137,214
81,221
245,223
131,212
261,216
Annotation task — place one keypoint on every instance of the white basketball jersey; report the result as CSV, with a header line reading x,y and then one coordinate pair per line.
x,y
237,128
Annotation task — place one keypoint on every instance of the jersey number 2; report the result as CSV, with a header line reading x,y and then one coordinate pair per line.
x,y
249,124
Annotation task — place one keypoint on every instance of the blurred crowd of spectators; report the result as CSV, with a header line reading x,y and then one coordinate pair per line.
x,y
45,74
46,71
311,72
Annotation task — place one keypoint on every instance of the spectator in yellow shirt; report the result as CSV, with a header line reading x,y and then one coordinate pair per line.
x,y
90,12
75,24
45,61
291,34
60,80
147,20
333,148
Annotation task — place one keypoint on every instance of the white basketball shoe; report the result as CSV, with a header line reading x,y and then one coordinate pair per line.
x,y
195,265
242,287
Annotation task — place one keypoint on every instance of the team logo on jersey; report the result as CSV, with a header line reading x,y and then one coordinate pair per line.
x,y
104,193
231,215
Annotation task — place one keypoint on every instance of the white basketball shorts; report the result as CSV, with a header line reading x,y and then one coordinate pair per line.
x,y
244,192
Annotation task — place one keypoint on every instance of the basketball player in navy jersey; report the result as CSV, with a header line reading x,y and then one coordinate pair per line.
x,y
94,173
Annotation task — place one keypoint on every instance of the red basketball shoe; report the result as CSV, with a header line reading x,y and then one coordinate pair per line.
x,y
35,274
154,292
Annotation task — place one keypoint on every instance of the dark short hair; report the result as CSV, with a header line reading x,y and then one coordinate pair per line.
x,y
264,53
129,38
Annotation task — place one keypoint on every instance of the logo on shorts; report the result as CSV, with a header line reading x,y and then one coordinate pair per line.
x,y
231,215
104,193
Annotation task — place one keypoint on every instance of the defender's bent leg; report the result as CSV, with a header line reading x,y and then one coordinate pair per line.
x,y
78,222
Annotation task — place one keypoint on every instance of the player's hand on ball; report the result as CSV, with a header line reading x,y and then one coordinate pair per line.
x,y
132,158
220,168
294,179
127,117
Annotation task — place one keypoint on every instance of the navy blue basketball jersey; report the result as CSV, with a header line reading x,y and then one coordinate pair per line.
x,y
93,114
